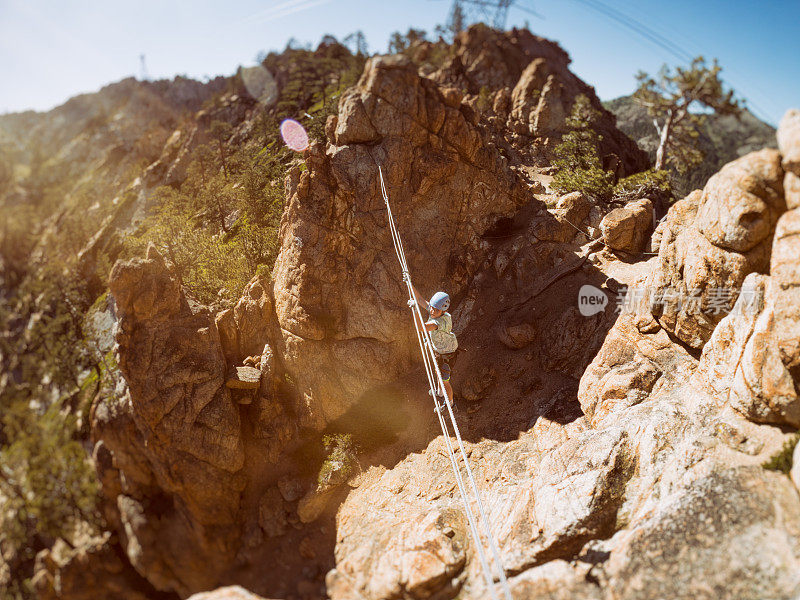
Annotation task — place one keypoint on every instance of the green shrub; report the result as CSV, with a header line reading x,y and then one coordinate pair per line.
x,y
213,264
340,462
47,480
782,461
647,184
592,181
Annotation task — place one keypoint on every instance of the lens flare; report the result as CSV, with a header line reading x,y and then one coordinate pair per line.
x,y
294,135
260,84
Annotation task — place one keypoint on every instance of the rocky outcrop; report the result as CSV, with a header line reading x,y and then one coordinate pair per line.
x,y
338,295
521,86
184,441
423,547
187,447
712,241
611,502
786,274
741,521
753,356
743,363
630,366
92,569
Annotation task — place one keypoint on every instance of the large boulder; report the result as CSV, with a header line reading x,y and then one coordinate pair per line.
x,y
742,202
620,497
703,260
791,184
753,357
626,228
420,549
405,531
742,362
789,140
628,368
732,535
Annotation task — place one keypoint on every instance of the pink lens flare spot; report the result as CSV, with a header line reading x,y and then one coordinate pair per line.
x,y
294,135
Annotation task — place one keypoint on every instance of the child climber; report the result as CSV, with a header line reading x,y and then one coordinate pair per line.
x,y
440,325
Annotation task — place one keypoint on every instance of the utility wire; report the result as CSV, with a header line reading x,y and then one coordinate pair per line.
x,y
638,27
657,39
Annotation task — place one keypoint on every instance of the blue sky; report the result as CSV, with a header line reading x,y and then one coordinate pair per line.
x,y
50,51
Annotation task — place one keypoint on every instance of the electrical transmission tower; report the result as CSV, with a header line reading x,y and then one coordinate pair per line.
x,y
143,76
491,12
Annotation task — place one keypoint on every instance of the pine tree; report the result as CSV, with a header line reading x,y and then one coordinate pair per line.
x,y
669,98
220,131
357,43
399,42
577,158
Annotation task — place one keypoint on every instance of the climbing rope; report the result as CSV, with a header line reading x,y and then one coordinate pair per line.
x,y
435,383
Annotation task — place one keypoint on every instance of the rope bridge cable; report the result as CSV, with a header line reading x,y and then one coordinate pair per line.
x,y
435,383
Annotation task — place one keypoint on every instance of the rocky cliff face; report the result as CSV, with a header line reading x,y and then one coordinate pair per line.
x,y
522,87
185,432
619,456
337,295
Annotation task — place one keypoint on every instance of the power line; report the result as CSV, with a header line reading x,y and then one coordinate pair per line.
x,y
656,38
757,109
530,11
637,27
686,56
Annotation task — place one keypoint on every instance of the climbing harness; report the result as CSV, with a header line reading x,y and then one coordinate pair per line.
x,y
436,383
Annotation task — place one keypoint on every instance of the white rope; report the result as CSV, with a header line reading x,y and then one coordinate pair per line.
x,y
435,381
